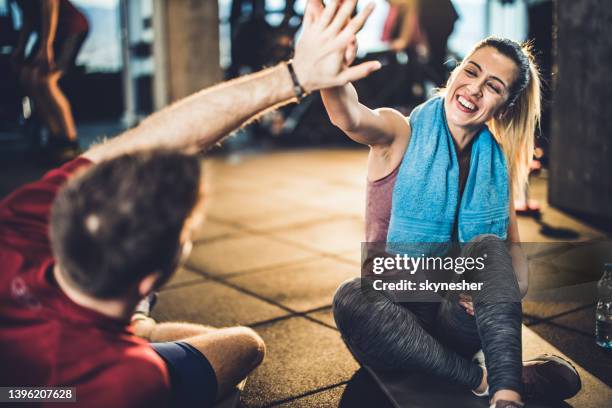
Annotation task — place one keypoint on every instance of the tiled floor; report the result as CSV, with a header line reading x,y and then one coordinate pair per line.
x,y
283,230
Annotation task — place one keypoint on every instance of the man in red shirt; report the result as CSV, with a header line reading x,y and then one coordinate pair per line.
x,y
82,246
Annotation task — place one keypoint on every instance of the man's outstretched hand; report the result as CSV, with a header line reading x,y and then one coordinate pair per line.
x,y
329,31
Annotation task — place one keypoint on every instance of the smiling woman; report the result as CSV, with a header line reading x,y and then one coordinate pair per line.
x,y
497,84
444,174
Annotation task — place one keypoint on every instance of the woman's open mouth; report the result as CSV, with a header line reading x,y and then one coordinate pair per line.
x,y
464,105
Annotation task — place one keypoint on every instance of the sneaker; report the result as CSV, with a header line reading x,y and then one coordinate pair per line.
x,y
507,404
550,378
479,359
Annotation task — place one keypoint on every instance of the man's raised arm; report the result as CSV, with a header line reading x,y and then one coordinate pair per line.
x,y
201,120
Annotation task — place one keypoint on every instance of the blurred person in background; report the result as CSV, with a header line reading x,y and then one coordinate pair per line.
x,y
60,30
82,249
422,28
540,33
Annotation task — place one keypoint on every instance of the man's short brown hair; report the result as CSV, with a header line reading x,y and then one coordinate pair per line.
x,y
122,220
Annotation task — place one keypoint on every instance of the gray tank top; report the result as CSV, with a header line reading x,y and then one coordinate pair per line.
x,y
379,195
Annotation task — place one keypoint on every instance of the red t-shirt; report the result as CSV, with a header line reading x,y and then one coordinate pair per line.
x,y
48,340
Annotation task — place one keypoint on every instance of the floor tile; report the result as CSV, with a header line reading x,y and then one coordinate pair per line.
x,y
547,310
325,316
253,209
334,237
324,399
182,276
582,320
239,207
333,198
289,217
302,286
211,229
214,304
353,256
237,173
243,253
301,356
586,258
545,275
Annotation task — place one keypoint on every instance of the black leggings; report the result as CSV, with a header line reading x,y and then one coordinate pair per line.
x,y
440,337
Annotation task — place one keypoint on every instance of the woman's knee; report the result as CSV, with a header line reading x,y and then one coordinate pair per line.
x,y
346,291
363,314
345,301
493,252
484,243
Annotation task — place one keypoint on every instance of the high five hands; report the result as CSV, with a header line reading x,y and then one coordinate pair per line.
x,y
327,45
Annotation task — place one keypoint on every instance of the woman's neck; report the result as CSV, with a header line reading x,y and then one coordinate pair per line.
x,y
461,135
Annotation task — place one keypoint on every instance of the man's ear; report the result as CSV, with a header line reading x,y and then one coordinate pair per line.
x,y
186,248
148,284
503,111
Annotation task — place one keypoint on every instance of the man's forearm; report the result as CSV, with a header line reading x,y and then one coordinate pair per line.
x,y
201,120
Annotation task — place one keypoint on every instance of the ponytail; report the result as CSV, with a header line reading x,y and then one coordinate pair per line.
x,y
515,129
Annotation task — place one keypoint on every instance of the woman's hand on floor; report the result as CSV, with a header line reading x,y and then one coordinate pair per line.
x,y
466,302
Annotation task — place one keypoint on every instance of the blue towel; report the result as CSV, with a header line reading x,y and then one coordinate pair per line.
x,y
426,193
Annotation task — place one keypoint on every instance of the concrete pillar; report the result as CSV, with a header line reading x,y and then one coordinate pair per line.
x,y
581,138
129,111
186,48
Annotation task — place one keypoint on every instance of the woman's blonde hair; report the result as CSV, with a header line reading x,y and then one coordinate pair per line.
x,y
515,128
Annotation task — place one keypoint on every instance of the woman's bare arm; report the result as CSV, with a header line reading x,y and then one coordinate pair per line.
x,y
362,124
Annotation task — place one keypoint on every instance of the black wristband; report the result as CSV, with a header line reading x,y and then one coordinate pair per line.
x,y
298,90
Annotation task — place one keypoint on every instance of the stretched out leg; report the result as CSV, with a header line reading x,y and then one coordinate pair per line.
x,y
233,353
201,357
389,336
